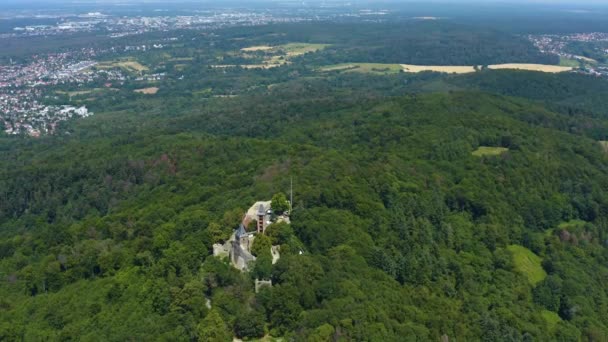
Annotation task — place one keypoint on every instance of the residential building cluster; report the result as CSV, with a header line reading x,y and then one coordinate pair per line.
x,y
36,119
559,45
120,26
24,86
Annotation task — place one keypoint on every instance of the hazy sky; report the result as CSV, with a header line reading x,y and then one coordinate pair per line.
x,y
569,3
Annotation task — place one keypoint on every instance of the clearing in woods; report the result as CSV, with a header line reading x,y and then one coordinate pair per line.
x,y
181,59
128,65
450,69
275,56
527,263
257,48
85,92
568,62
180,67
147,91
585,59
489,151
287,50
604,145
372,68
297,49
531,67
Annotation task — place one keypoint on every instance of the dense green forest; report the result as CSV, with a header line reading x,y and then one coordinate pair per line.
x,y
410,42
406,232
425,205
573,94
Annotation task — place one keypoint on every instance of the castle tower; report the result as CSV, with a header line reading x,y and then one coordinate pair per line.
x,y
261,216
240,232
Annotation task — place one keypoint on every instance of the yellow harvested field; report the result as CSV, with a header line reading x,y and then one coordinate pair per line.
x,y
450,69
290,49
147,91
297,49
274,56
257,48
531,67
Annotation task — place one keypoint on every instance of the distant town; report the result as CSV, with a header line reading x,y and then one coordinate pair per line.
x,y
22,88
33,95
24,100
124,26
577,50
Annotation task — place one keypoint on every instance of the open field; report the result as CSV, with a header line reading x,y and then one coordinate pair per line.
x,y
225,96
257,48
297,49
374,68
450,69
75,93
278,55
180,59
247,66
85,92
289,49
531,67
586,59
567,62
260,66
528,263
489,151
339,67
128,65
147,91
132,65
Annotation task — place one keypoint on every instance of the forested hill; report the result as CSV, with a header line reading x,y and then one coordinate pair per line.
x,y
462,214
569,92
440,42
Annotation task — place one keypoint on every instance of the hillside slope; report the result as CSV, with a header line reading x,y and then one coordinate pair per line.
x,y
404,231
